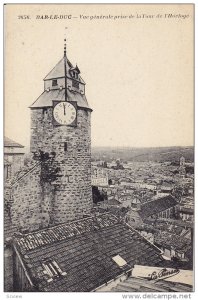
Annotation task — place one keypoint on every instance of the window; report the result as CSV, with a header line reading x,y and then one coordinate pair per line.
x,y
119,261
74,74
65,146
54,82
44,111
75,84
52,270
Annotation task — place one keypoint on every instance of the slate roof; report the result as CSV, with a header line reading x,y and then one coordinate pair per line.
x,y
156,206
83,249
46,98
59,71
135,284
10,143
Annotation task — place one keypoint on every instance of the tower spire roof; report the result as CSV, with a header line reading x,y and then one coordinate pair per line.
x,y
58,71
65,68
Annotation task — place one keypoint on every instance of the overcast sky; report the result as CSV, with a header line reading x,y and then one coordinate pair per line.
x,y
138,71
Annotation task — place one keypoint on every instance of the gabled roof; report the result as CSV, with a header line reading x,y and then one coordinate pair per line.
x,y
83,251
46,98
10,143
59,71
156,206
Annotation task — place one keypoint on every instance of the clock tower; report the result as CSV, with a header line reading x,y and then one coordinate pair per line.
x,y
61,124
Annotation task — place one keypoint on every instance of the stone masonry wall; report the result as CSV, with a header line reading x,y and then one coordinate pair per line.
x,y
47,205
31,201
26,201
73,193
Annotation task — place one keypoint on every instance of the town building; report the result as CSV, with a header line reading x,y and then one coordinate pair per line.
x,y
13,157
182,169
163,207
172,244
186,208
186,213
99,177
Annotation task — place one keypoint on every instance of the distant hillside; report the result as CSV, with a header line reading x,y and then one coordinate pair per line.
x,y
160,154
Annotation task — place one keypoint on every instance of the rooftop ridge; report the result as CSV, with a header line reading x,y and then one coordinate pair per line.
x,y
31,241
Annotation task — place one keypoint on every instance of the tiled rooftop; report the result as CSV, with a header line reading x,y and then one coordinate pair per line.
x,y
77,256
156,206
135,284
172,240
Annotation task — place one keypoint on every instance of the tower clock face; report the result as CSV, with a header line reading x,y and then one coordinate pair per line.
x,y
64,113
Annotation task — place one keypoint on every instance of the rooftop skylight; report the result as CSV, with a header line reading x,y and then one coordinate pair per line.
x,y
52,269
119,261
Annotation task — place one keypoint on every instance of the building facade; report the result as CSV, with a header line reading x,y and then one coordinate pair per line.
x,y
99,177
13,157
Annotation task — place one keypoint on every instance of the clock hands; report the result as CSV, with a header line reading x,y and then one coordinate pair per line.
x,y
64,113
64,109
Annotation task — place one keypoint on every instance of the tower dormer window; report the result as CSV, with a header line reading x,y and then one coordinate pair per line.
x,y
74,74
75,84
54,82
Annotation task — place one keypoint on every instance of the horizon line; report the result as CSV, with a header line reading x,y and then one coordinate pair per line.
x,y
178,146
